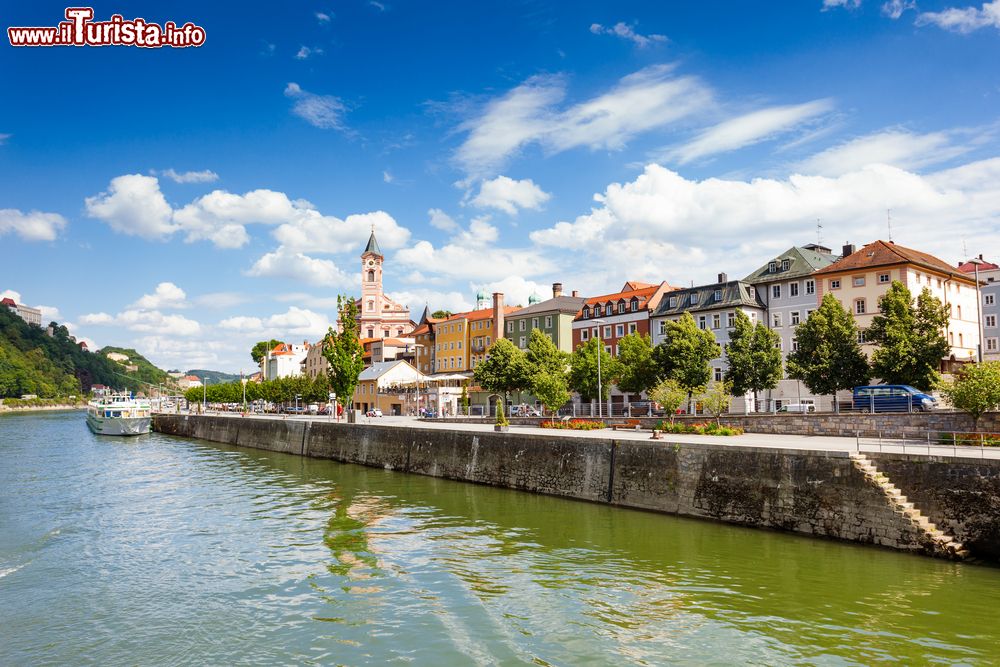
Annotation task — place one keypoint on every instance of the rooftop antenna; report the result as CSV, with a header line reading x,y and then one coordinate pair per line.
x,y
888,222
819,233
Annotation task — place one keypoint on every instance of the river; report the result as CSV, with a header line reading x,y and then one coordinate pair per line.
x,y
160,550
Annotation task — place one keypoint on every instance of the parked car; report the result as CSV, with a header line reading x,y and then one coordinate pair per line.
x,y
525,410
798,407
313,408
376,412
892,398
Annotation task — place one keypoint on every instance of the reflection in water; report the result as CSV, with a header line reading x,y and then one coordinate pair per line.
x,y
167,550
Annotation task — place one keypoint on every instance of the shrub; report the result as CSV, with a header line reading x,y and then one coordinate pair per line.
x,y
574,424
701,428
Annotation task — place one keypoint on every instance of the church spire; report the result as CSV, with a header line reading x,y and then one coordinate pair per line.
x,y
372,246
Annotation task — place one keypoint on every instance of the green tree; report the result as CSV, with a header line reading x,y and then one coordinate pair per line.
x,y
753,357
441,314
543,356
685,354
638,372
465,399
669,395
716,399
344,353
828,357
504,370
583,374
263,347
910,337
976,389
551,389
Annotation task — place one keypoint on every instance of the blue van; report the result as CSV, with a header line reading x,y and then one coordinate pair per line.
x,y
892,398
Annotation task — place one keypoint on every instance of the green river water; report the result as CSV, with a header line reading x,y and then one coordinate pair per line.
x,y
159,550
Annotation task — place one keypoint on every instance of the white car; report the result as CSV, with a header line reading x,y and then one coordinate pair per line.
x,y
799,407
374,413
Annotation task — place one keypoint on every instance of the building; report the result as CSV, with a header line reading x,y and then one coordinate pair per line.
x,y
189,381
378,315
461,341
285,360
26,313
713,308
621,313
391,386
314,362
860,277
554,317
117,356
391,349
786,287
989,278
424,336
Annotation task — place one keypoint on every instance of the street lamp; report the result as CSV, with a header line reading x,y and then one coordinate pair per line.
x,y
415,355
600,348
979,310
204,395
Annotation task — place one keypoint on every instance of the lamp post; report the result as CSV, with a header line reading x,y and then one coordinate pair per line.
x,y
600,348
416,353
979,311
204,395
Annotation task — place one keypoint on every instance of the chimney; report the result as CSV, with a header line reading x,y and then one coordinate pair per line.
x,y
980,255
848,249
556,290
723,278
498,315
576,293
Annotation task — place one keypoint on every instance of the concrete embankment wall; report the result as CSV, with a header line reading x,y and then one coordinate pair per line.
x,y
814,493
887,425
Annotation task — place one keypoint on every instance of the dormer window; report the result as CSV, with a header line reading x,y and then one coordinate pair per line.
x,y
694,298
621,306
718,296
785,264
673,302
635,304
772,267
586,312
608,309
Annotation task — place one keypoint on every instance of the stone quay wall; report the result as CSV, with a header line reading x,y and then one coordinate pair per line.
x,y
808,492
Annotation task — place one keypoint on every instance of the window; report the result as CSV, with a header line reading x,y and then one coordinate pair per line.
x,y
488,341
730,320
371,305
521,325
717,374
883,277
520,341
718,295
702,322
607,331
673,302
586,312
776,320
808,313
959,312
619,330
859,307
510,327
988,299
593,332
780,345
793,289
621,306
775,291
460,345
835,283
584,334
632,328
716,321
694,298
534,322
858,281
991,344
607,309
609,350
810,286
772,267
785,264
663,327
795,345
548,321
371,276
794,318
635,304
991,320
960,343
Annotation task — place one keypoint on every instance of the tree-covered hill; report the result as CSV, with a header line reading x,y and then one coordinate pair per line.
x,y
146,372
215,377
32,362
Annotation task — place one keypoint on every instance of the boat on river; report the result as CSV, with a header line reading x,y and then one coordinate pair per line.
x,y
119,414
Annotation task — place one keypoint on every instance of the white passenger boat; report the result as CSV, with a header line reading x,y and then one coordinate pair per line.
x,y
119,414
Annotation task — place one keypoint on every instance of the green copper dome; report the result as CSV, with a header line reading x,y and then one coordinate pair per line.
x,y
533,299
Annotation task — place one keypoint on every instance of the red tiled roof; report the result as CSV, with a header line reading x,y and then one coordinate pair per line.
x,y
482,314
881,253
7,301
970,267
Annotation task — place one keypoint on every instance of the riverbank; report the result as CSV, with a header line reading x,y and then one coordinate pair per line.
x,y
41,408
830,494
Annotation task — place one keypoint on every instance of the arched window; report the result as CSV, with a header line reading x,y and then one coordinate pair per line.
x,y
371,304
371,275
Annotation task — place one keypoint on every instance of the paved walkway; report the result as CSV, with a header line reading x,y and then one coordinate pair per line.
x,y
766,440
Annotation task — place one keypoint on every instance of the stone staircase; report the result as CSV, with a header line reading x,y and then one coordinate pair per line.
x,y
940,543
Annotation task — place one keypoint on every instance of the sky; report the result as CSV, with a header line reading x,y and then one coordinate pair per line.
x,y
189,202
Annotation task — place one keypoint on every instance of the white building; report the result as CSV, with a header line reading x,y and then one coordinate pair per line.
x,y
285,360
26,313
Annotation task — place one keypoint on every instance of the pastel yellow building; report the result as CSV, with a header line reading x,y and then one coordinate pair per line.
x,y
860,277
462,341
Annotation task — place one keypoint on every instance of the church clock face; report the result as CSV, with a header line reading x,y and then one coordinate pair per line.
x,y
371,262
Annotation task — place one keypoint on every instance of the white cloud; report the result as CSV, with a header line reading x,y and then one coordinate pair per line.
x,y
964,20
377,5
285,263
323,111
441,220
146,321
626,31
417,297
220,300
528,114
242,323
293,322
748,129
11,294
508,195
322,17
306,52
134,205
899,148
387,177
204,176
895,8
31,226
694,229
49,313
185,354
309,231
97,318
166,295
220,216
846,4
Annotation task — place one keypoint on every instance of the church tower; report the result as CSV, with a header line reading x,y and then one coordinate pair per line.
x,y
378,315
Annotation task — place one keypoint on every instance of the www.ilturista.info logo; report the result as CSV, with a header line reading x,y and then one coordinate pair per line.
x,y
79,29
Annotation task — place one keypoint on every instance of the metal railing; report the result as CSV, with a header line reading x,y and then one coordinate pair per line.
x,y
933,442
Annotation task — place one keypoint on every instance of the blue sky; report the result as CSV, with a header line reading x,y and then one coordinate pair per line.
x,y
188,202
